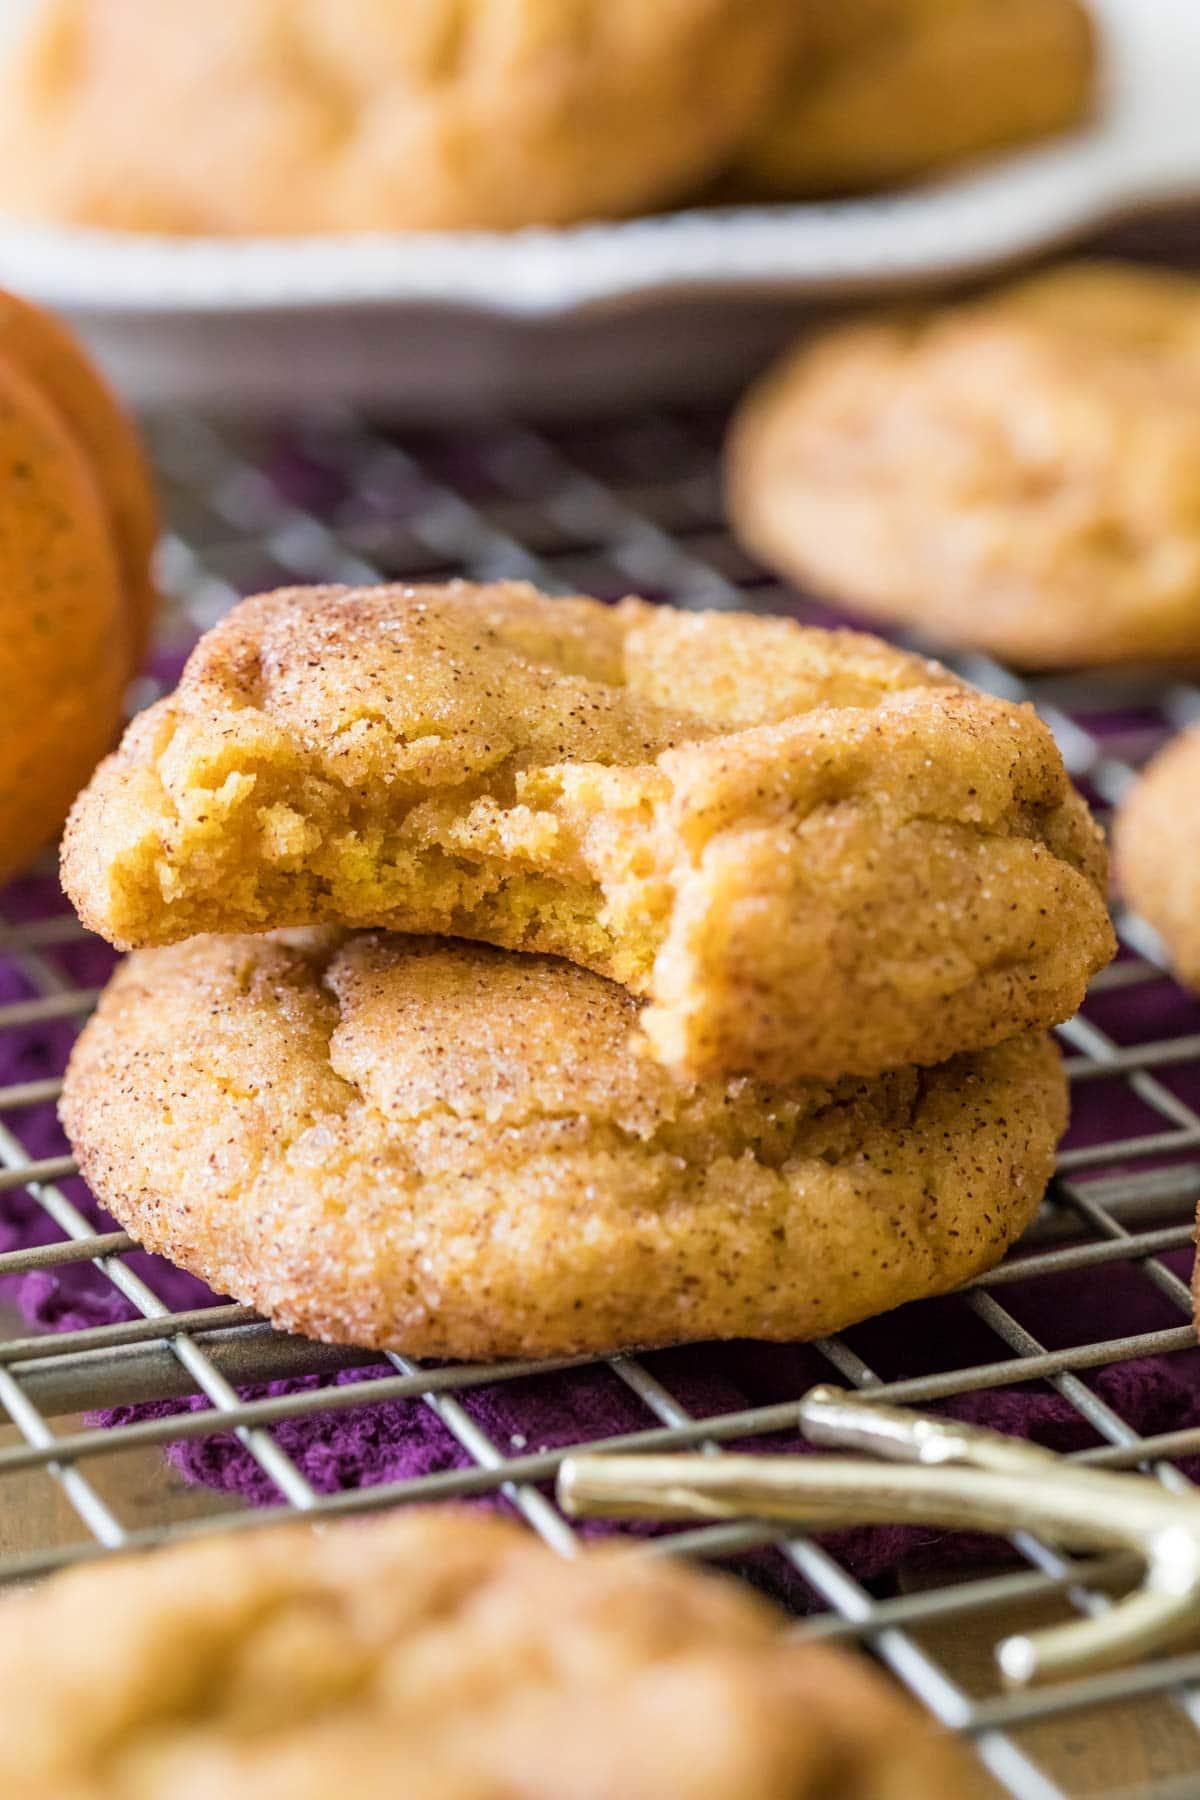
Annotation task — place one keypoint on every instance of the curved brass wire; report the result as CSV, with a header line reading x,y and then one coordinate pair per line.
x,y
961,1477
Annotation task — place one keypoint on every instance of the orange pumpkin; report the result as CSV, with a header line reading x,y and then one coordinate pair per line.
x,y
77,528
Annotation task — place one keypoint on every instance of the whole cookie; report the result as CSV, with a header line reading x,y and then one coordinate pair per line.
x,y
438,1657
448,1150
882,91
284,116
1020,473
1157,840
815,854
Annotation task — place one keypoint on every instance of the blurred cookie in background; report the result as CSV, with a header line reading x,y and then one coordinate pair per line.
x,y
57,363
77,529
1019,473
885,91
291,116
1157,841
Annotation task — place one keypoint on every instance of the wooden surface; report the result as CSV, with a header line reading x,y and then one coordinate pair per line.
x,y
1115,1749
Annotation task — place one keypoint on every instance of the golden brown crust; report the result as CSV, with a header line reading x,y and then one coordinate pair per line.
x,y
1020,473
815,854
76,533
361,115
447,1150
64,629
280,1664
882,91
57,364
1156,837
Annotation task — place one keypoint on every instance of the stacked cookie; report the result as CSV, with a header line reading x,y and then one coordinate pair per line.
x,y
283,116
766,926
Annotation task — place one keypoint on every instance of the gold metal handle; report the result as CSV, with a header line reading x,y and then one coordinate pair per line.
x,y
963,1478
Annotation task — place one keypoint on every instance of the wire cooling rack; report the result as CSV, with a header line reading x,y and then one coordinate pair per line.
x,y
630,507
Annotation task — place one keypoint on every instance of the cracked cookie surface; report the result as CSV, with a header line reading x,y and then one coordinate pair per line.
x,y
297,116
456,1649
447,1150
814,854
1020,472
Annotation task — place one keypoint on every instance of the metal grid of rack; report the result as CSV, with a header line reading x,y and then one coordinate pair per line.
x,y
631,506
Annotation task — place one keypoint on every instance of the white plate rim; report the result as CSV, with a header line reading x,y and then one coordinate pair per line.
x,y
1142,148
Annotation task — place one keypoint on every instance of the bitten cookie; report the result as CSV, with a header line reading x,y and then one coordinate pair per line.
x,y
1157,840
442,1657
884,91
816,855
1020,473
448,1150
283,116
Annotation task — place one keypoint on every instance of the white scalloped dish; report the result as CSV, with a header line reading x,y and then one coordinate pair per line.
x,y
683,303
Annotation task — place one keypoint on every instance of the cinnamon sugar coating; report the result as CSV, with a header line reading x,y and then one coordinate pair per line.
x,y
447,1150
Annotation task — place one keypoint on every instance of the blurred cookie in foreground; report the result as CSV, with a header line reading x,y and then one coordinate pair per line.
x,y
448,1150
77,529
886,91
1157,841
441,1656
815,854
291,116
1018,473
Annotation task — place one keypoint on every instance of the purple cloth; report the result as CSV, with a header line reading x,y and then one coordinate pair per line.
x,y
399,1440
